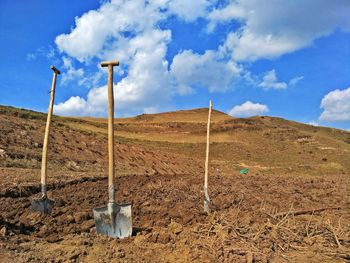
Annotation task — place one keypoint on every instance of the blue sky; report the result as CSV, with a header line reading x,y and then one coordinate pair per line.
x,y
266,57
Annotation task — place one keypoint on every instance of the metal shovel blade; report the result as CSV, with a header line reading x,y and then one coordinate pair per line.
x,y
113,220
42,205
206,206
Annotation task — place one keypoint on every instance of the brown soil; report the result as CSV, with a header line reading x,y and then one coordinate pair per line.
x,y
169,224
269,215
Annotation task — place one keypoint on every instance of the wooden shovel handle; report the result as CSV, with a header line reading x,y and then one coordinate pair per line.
x,y
207,156
111,188
47,130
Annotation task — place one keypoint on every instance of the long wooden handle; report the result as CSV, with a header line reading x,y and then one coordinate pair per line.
x,y
111,189
207,157
46,136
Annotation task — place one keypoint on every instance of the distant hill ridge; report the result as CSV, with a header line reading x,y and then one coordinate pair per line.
x,y
172,139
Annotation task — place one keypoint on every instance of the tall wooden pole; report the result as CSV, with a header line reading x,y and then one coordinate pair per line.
x,y
206,195
47,130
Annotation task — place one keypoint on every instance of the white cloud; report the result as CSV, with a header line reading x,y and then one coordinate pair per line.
x,y
72,107
71,73
336,106
207,70
248,109
124,30
96,30
189,10
294,81
145,42
48,53
225,14
273,28
313,123
94,105
184,90
148,80
146,86
270,81
150,110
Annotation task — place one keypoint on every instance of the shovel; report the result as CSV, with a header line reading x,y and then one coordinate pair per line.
x,y
206,195
44,204
112,220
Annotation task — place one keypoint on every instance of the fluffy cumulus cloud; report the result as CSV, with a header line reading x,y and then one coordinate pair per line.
x,y
114,21
95,104
273,28
72,106
147,82
336,106
207,70
248,108
270,81
145,86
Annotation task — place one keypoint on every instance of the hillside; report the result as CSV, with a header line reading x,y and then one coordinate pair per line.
x,y
265,144
159,162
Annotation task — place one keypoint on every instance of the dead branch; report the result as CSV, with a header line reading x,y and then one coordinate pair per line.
x,y
305,212
285,217
341,255
330,228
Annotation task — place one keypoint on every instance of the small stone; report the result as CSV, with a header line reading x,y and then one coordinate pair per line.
x,y
146,203
3,231
70,219
120,253
75,255
2,153
175,228
43,230
71,165
163,238
153,237
139,238
82,216
87,225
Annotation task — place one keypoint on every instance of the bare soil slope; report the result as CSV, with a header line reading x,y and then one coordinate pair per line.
x,y
293,205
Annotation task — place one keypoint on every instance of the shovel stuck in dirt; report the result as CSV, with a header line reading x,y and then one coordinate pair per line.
x,y
44,204
112,220
206,195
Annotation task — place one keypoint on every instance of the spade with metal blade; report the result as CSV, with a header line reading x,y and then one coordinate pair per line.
x,y
206,195
44,204
113,220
